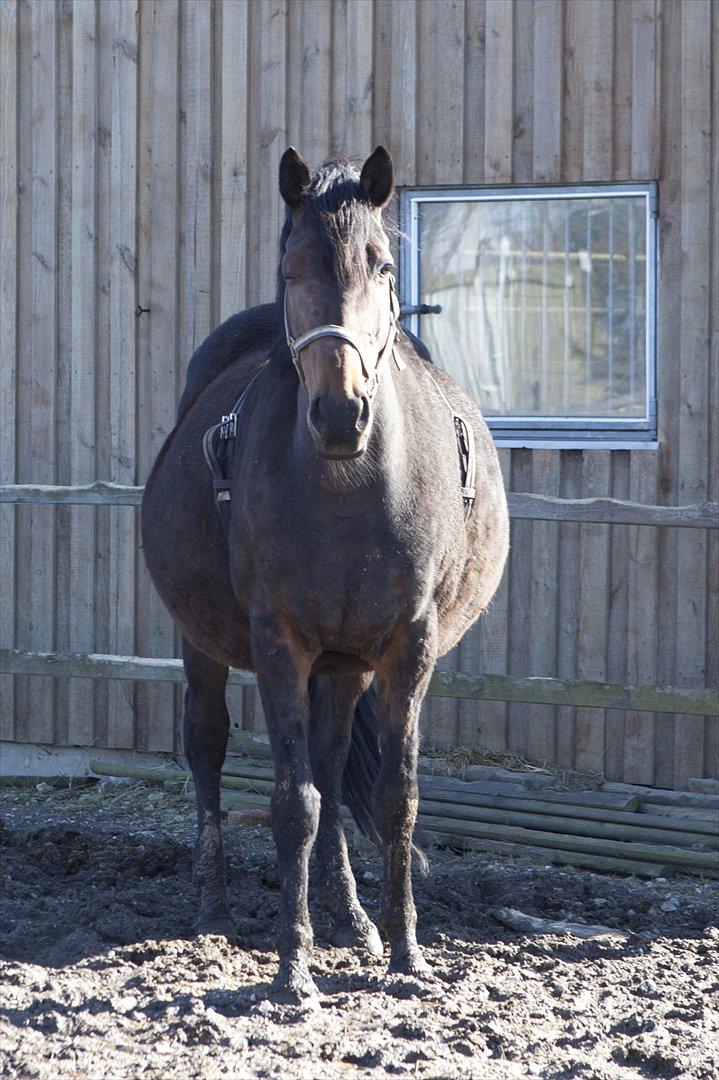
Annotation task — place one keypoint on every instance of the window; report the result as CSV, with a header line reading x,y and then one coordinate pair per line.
x,y
548,306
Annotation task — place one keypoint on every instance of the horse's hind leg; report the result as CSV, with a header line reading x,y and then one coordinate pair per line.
x,y
206,727
333,700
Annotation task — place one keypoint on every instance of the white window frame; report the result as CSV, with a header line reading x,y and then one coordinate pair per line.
x,y
568,432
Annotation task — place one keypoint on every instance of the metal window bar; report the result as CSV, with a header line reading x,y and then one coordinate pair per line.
x,y
565,372
632,300
588,313
545,343
610,309
524,366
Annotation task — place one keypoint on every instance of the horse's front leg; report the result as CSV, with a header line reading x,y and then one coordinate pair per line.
x,y
404,673
283,673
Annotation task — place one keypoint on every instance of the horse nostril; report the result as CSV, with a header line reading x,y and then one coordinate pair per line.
x,y
315,416
363,417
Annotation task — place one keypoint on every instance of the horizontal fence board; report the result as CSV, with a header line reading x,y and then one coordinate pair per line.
x,y
522,505
448,684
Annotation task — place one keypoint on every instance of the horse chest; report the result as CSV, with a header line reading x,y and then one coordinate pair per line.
x,y
345,580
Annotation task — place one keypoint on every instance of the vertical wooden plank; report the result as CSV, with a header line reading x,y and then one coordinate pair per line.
x,y
37,357
488,723
547,66
547,91
265,211
477,722
105,80
590,727
597,56
157,273
63,373
474,65
498,99
645,90
233,35
519,715
381,64
694,356
711,724
351,58
624,16
597,64
480,723
121,427
669,350
639,727
617,587
569,545
83,359
643,544
544,606
195,192
523,91
195,241
618,580
403,90
440,119
573,97
8,338
314,83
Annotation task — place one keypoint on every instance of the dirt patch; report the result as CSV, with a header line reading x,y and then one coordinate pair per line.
x,y
103,978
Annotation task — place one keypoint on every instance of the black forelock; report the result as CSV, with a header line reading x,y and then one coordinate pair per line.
x,y
343,221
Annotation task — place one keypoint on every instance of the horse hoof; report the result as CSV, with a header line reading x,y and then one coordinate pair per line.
x,y
293,985
216,924
410,962
359,935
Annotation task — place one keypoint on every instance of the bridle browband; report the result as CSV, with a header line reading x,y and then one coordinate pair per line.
x,y
296,345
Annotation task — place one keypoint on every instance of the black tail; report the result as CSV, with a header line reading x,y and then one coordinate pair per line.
x,y
362,768
361,772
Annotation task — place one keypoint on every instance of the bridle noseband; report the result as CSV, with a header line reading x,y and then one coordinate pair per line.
x,y
296,345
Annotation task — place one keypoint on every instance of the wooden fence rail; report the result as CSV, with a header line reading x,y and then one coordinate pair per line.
x,y
522,505
452,684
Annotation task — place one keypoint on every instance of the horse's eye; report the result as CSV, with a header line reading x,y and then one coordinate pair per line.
x,y
386,269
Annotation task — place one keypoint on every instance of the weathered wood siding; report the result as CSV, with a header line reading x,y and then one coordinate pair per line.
x,y
140,143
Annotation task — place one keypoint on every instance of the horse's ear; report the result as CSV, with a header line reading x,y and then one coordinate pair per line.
x,y
377,177
294,178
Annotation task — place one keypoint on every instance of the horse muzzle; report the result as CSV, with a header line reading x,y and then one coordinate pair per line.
x,y
339,426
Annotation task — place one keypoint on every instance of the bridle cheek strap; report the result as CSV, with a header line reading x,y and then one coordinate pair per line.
x,y
296,345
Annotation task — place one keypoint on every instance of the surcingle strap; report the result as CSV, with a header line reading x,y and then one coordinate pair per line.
x,y
218,446
467,460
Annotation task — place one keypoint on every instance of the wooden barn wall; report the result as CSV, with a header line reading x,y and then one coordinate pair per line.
x,y
140,143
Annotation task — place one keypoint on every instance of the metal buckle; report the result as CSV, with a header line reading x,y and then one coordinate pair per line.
x,y
228,426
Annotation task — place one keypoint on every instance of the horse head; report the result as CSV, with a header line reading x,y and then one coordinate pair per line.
x,y
337,291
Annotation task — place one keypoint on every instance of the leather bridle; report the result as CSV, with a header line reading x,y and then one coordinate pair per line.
x,y
296,345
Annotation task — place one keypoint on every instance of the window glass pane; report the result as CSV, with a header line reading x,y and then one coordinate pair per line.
x,y
543,303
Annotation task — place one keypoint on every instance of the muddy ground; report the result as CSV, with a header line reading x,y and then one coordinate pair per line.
x,y
103,978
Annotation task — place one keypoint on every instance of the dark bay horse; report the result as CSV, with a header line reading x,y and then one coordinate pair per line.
x,y
348,551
